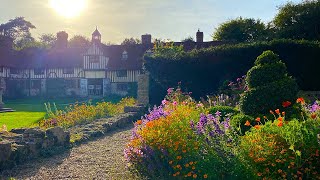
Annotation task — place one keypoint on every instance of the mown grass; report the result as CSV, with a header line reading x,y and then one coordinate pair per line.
x,y
31,110
21,119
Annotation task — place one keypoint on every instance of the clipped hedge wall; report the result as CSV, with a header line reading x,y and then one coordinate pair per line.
x,y
203,71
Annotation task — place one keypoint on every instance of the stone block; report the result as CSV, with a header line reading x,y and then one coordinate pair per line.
x,y
5,150
60,136
18,131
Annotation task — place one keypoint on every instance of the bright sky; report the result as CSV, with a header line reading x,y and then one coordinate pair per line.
x,y
118,19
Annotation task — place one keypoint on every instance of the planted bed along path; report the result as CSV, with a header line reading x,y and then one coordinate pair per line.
x,y
99,159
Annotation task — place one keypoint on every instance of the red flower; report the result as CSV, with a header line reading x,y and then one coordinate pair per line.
x,y
277,111
280,118
258,119
286,104
257,127
280,124
247,123
300,100
313,116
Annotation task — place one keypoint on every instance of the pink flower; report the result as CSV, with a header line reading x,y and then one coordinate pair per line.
x,y
175,103
170,90
164,102
199,105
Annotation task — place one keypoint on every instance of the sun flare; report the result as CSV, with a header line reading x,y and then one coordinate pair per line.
x,y
68,8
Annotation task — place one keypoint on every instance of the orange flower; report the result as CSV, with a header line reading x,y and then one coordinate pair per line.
x,y
194,176
259,174
187,165
139,122
313,116
190,162
283,113
150,124
257,126
170,162
258,119
193,167
247,123
277,111
271,112
279,171
280,124
205,176
300,100
189,174
265,117
286,104
280,118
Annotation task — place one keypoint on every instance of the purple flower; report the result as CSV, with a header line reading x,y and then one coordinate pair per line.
x,y
218,113
314,107
192,124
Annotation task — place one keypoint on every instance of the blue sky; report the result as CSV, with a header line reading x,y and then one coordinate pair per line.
x,y
118,19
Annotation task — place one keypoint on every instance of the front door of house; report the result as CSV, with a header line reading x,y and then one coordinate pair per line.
x,y
84,87
106,87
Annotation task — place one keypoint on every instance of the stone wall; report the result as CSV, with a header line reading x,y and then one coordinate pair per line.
x,y
20,145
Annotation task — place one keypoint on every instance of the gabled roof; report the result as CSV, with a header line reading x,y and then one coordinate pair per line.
x,y
135,54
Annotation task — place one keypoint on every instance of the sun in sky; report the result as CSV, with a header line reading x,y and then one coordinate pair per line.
x,y
68,8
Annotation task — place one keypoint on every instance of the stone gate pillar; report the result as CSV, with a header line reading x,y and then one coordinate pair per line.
x,y
143,89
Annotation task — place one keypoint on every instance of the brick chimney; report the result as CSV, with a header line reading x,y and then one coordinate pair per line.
x,y
62,40
199,36
146,39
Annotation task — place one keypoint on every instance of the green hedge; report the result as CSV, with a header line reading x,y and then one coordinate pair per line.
x,y
203,71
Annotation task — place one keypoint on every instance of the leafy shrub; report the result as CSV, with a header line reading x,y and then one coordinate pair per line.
x,y
227,62
269,85
282,150
237,122
224,110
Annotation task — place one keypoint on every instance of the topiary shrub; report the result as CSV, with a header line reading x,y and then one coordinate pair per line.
x,y
269,85
237,123
223,109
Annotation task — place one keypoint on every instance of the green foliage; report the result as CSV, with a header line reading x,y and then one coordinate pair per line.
x,y
131,41
16,28
237,123
269,85
79,41
225,110
167,50
282,149
299,21
241,30
48,40
203,71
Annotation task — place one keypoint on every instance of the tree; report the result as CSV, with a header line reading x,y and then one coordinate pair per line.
x,y
130,41
241,30
79,41
188,39
16,28
48,39
299,21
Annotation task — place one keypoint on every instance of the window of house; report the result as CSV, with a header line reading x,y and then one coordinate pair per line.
x,y
122,73
94,59
124,55
38,71
14,71
122,87
68,71
36,84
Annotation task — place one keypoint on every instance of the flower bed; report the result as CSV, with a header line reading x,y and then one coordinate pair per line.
x,y
79,113
181,139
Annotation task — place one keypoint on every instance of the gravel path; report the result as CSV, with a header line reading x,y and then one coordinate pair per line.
x,y
100,159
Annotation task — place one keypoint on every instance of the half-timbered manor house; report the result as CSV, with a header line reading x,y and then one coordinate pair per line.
x,y
99,70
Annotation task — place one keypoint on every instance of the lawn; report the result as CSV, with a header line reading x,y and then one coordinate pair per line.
x,y
29,111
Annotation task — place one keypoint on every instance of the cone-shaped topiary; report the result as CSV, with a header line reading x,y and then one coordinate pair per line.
x,y
268,85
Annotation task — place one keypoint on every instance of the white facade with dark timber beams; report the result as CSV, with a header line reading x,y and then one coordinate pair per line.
x,y
98,70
